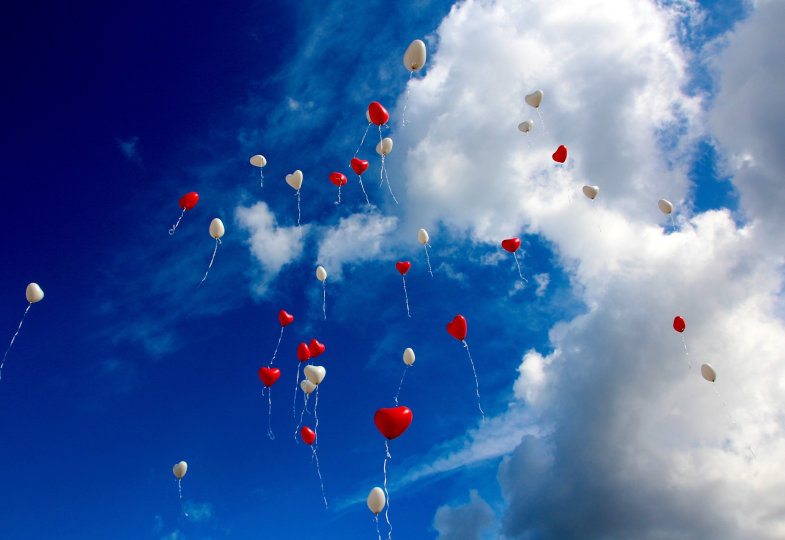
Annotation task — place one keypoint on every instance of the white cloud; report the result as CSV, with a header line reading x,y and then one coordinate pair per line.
x,y
465,521
198,511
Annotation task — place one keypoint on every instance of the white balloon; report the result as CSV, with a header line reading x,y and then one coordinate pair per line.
x,y
34,293
708,373
408,356
376,500
295,179
526,126
384,146
534,99
665,206
179,469
591,191
315,374
422,236
307,386
414,57
321,273
217,228
368,115
258,160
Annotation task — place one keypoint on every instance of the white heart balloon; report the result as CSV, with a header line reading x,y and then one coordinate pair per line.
x,y
376,500
526,126
34,293
414,57
384,146
295,179
179,469
591,191
307,386
315,374
258,160
321,273
708,373
534,99
422,236
665,206
217,228
408,357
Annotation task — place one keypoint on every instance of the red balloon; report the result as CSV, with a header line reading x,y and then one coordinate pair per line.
x,y
403,267
339,179
308,435
457,328
511,244
560,154
359,165
269,375
378,114
679,325
392,422
189,200
316,348
285,318
303,352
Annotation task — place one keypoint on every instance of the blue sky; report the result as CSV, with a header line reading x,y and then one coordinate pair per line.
x,y
597,424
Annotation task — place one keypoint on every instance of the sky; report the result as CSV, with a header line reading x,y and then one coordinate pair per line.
x,y
597,422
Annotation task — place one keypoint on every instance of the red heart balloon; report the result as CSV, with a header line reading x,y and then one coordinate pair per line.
x,y
339,179
269,375
189,200
679,325
285,318
403,267
392,422
359,165
511,244
303,352
316,348
378,114
560,154
308,435
457,328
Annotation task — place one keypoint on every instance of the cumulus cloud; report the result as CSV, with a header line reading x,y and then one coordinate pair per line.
x,y
465,521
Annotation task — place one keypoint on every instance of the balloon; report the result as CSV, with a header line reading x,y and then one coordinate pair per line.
x,y
591,191
258,160
315,374
368,116
665,206
376,500
269,375
358,165
179,469
457,328
189,200
316,348
403,267
217,228
534,99
679,325
408,356
321,273
414,57
308,435
284,318
295,179
392,422
377,114
422,236
34,293
339,179
307,386
560,155
303,352
708,373
511,244
384,146
526,126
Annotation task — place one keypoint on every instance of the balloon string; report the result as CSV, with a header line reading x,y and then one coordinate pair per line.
x,y
362,141
476,382
388,181
180,490
386,493
300,423
339,196
687,354
406,295
294,399
275,353
378,533
363,188
673,225
298,213
171,231
13,338
428,258
544,129
406,100
515,255
324,298
261,177
316,417
400,385
269,413
319,472
217,241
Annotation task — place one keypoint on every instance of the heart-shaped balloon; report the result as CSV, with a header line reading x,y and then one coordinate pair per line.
x,y
307,386
316,348
665,206
560,155
308,435
414,57
378,114
679,325
403,266
303,352
258,160
408,356
285,318
526,126
457,328
708,373
34,293
269,375
339,179
591,191
315,374
295,179
534,99
392,422
359,165
384,146
180,469
511,244
189,200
